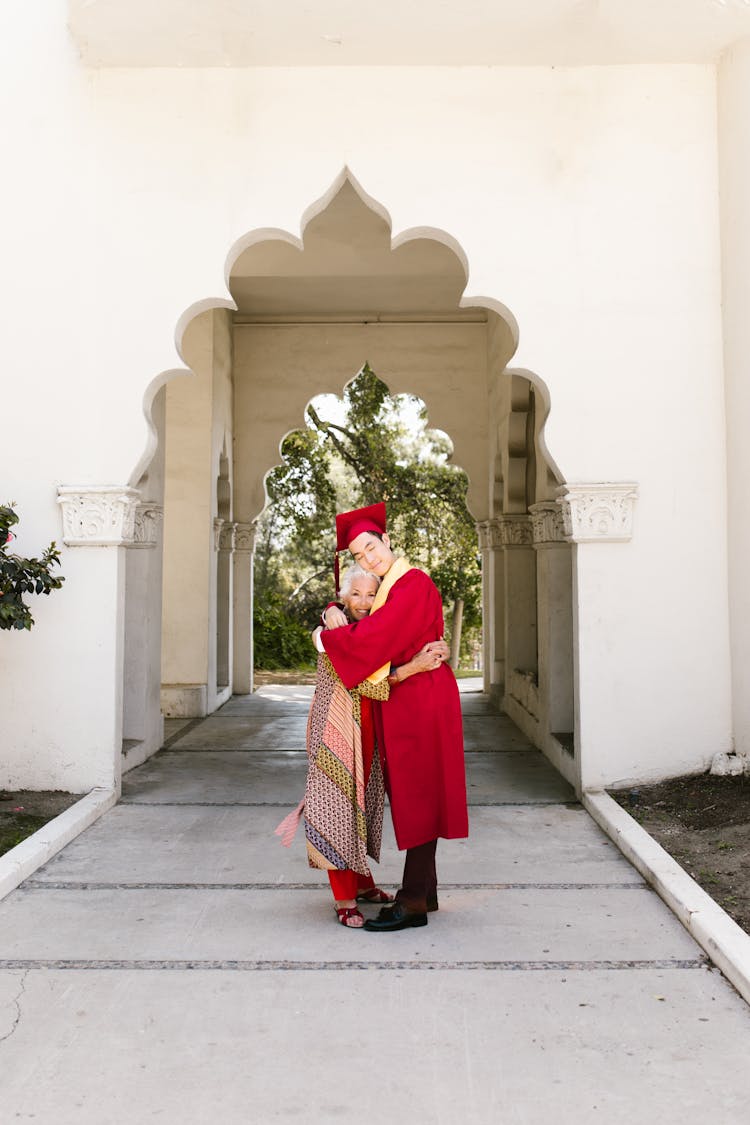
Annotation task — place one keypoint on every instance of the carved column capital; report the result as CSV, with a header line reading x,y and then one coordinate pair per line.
x,y
596,513
98,515
218,525
488,532
547,525
515,531
227,536
244,538
148,516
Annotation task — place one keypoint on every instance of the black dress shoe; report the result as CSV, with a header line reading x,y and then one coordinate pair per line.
x,y
395,917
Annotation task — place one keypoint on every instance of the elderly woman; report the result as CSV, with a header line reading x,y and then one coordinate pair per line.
x,y
344,795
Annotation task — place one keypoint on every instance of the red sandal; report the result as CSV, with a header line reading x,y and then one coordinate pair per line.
x,y
374,894
345,913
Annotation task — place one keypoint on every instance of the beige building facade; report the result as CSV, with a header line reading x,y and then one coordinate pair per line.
x,y
538,226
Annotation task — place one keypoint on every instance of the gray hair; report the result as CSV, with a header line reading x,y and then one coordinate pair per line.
x,y
351,575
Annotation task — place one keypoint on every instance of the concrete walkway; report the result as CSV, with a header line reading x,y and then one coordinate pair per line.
x,y
176,964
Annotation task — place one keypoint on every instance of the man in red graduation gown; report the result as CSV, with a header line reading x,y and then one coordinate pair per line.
x,y
419,729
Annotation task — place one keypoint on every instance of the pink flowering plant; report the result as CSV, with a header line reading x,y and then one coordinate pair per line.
x,y
20,577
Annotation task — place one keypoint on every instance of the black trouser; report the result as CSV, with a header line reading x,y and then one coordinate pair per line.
x,y
419,882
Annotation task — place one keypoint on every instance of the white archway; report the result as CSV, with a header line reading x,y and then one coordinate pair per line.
x,y
308,312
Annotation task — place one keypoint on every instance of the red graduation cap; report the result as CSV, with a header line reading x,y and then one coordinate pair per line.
x,y
351,524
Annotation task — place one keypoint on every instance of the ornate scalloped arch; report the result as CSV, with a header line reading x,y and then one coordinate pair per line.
x,y
387,268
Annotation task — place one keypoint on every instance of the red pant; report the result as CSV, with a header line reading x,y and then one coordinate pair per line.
x,y
347,884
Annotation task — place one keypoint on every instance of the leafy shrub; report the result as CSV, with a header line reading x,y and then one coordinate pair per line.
x,y
279,641
20,576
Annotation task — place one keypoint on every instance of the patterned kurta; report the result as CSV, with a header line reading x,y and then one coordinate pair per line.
x,y
343,819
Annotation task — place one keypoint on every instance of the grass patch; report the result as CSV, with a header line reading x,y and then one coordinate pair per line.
x,y
15,827
26,811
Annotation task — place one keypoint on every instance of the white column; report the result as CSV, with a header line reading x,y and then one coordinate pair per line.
x,y
224,610
242,662
188,629
143,723
520,616
98,521
734,194
555,625
493,608
594,516
213,699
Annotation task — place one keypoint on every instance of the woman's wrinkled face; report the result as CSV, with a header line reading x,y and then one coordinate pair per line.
x,y
360,597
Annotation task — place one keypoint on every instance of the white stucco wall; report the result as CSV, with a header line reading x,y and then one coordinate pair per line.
x,y
734,150
585,200
61,685
276,367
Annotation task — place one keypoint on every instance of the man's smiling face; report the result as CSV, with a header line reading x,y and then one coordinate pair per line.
x,y
372,554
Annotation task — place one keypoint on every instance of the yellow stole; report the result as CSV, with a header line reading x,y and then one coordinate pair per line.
x,y
398,569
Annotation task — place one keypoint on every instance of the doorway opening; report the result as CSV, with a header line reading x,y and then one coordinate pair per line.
x,y
365,447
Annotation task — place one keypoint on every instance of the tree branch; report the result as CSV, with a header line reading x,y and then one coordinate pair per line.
x,y
302,585
325,428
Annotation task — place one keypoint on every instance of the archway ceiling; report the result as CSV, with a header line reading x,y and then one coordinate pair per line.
x,y
348,270
209,33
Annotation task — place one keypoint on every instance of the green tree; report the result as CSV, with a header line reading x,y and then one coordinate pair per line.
x,y
370,455
293,557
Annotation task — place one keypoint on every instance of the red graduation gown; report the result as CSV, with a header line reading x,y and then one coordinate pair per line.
x,y
419,728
